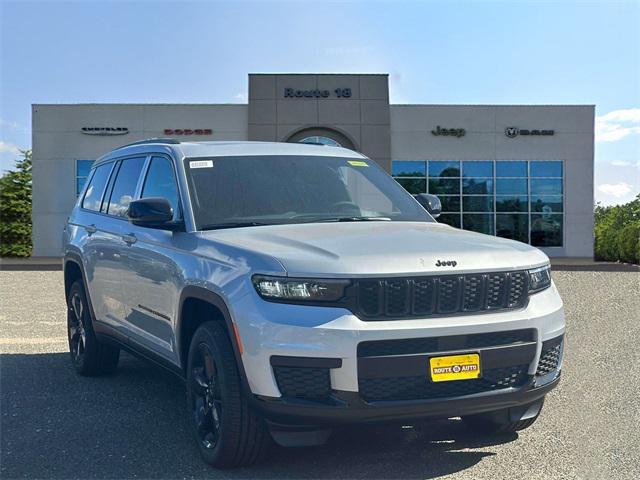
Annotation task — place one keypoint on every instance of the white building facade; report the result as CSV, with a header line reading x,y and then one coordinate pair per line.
x,y
516,171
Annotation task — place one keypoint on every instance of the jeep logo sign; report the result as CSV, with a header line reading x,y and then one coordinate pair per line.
x,y
513,132
452,132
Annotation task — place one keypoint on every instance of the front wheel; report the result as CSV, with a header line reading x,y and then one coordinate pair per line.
x,y
228,433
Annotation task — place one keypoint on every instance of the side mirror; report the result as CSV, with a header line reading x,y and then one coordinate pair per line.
x,y
153,212
431,203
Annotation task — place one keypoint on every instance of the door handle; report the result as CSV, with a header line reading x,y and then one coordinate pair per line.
x,y
91,229
129,239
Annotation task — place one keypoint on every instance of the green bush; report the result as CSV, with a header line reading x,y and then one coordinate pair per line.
x,y
15,209
617,232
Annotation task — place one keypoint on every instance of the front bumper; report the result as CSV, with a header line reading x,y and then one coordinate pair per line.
x,y
270,330
349,407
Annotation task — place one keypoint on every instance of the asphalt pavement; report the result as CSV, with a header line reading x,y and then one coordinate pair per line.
x,y
55,424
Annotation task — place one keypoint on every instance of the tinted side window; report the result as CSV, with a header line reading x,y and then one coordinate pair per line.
x,y
93,197
161,182
124,188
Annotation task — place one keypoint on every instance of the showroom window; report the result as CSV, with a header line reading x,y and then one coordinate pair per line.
x,y
518,199
83,167
317,139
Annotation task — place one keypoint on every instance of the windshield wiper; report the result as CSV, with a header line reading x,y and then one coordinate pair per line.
x,y
219,226
354,219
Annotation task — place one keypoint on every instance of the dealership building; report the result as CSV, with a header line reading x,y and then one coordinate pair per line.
x,y
517,171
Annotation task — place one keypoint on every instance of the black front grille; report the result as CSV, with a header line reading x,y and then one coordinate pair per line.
x,y
549,359
383,299
411,346
303,382
421,387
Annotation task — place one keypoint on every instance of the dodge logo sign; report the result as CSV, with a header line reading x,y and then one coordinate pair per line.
x,y
104,130
188,131
513,132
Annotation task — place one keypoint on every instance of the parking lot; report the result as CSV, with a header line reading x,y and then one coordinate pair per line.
x,y
56,424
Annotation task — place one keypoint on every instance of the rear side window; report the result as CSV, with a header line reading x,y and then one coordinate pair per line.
x,y
93,197
124,187
161,182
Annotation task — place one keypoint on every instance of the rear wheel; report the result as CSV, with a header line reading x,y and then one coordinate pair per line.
x,y
505,421
228,433
89,356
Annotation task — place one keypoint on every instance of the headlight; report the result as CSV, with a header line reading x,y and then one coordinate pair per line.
x,y
299,289
539,278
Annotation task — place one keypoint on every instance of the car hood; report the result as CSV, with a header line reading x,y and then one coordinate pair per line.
x,y
380,248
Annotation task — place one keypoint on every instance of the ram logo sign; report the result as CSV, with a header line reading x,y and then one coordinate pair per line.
x,y
513,132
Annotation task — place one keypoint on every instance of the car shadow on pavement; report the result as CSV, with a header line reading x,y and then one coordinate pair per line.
x,y
56,424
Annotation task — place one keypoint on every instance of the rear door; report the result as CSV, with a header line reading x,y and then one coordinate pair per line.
x,y
152,280
101,245
109,242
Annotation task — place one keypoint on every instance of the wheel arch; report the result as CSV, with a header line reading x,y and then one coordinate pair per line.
x,y
198,305
72,272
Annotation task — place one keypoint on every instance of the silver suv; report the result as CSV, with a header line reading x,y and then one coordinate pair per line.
x,y
299,287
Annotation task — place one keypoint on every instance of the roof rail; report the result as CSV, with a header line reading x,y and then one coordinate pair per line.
x,y
171,141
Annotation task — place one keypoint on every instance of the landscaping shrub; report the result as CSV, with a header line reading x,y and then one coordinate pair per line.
x,y
15,209
617,232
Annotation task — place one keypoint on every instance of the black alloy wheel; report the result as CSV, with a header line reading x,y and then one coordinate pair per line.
x,y
227,431
89,356
76,328
206,400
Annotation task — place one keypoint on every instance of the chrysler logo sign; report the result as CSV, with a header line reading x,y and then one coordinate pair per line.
x,y
513,132
104,130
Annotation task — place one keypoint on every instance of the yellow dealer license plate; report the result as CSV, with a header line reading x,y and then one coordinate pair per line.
x,y
454,367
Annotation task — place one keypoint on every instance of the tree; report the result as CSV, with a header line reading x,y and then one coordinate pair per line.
x,y
15,209
617,232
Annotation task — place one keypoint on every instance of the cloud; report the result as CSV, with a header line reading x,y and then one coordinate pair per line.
x,y
618,124
621,163
14,126
617,190
241,97
9,148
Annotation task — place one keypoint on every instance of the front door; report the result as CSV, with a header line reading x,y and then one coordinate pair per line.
x,y
152,280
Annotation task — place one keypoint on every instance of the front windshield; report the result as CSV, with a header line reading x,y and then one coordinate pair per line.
x,y
268,190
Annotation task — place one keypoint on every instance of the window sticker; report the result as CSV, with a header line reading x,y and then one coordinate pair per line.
x,y
201,164
357,163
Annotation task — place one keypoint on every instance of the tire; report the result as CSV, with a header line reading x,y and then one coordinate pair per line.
x,y
228,433
502,421
89,356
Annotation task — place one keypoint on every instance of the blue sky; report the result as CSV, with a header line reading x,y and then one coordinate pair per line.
x,y
451,52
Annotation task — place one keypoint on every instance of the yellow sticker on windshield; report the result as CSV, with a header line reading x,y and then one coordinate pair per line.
x,y
357,163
